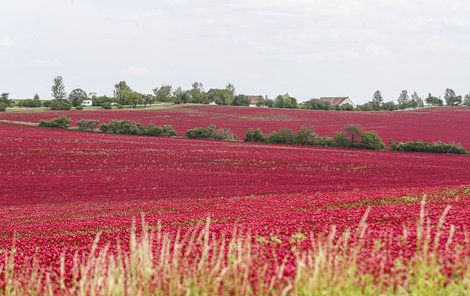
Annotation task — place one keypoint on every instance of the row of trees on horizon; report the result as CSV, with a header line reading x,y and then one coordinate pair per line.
x,y
124,95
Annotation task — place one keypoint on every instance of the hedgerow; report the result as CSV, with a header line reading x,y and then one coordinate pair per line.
x,y
422,146
61,122
211,133
131,128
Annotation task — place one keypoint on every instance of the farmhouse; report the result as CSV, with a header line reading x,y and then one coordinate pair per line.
x,y
254,100
337,101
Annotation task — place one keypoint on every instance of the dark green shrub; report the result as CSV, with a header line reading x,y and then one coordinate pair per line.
x,y
87,125
325,141
46,103
79,107
3,108
282,136
106,105
422,146
120,107
211,132
371,140
254,135
60,104
61,122
131,128
30,103
305,136
341,140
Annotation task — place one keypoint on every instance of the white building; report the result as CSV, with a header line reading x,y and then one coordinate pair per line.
x,y
87,103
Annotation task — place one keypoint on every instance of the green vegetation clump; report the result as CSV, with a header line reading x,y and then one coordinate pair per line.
x,y
60,104
61,122
131,128
30,103
79,107
106,105
3,108
422,146
87,125
254,135
211,133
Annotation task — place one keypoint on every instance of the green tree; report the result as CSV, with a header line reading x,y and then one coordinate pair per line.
x,y
316,104
467,100
377,101
389,106
241,100
5,100
135,98
58,88
122,93
198,95
181,96
163,93
451,98
416,100
77,96
404,100
265,103
36,97
434,101
285,101
220,96
148,99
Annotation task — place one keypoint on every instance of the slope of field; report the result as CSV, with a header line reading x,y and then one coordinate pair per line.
x,y
434,124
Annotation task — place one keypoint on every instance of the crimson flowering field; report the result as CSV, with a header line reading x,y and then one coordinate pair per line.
x,y
435,124
60,188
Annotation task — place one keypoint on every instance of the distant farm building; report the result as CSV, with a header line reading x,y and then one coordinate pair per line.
x,y
337,101
87,103
254,100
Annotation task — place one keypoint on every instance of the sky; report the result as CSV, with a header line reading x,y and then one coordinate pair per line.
x,y
307,48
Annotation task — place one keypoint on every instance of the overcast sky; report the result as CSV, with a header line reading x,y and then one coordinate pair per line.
x,y
308,48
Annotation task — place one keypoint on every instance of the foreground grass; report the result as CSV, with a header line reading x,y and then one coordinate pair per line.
x,y
202,263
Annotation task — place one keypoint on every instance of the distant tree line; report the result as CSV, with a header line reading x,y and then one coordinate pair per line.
x,y
124,95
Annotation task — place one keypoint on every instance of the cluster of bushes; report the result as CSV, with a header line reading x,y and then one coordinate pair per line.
x,y
30,103
87,125
211,133
58,104
61,122
131,128
421,146
350,136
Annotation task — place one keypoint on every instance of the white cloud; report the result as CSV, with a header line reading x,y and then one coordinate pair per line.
x,y
6,40
46,62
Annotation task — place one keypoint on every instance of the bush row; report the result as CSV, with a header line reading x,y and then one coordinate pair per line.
x,y
61,122
350,136
131,128
421,146
211,133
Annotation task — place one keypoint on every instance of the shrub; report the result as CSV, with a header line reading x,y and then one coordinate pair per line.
x,y
306,136
87,125
211,132
371,140
61,122
79,107
422,146
60,104
341,140
30,103
282,136
131,128
253,135
46,103
325,141
106,106
3,108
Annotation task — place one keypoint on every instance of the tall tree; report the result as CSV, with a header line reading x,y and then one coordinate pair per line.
x,y
197,94
77,96
5,100
404,100
435,101
416,100
122,93
163,93
58,88
377,101
36,97
451,98
285,101
467,100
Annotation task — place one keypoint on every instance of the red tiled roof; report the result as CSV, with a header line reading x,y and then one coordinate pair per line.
x,y
335,101
254,99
